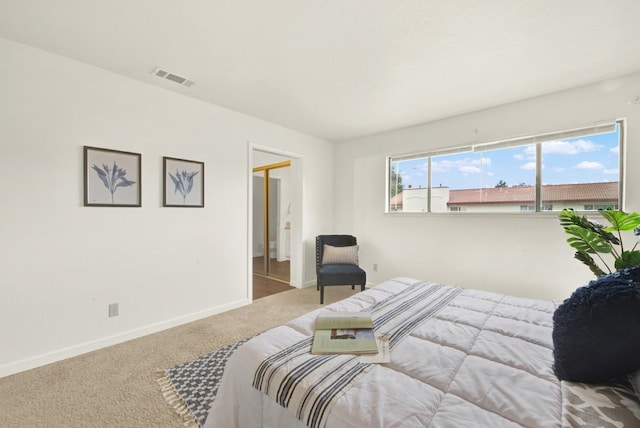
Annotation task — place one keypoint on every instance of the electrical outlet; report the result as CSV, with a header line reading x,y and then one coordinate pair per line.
x,y
113,310
375,267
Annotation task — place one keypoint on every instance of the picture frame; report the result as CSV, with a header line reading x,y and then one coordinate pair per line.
x,y
182,183
112,178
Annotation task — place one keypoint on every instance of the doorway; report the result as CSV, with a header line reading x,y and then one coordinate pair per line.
x,y
272,200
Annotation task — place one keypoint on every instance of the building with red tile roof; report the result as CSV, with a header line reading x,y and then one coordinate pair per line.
x,y
582,196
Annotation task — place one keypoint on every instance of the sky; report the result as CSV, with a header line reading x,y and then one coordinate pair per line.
x,y
590,159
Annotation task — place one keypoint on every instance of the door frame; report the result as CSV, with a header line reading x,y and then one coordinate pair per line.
x,y
297,247
266,212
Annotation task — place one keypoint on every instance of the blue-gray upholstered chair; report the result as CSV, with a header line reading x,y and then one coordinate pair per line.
x,y
339,273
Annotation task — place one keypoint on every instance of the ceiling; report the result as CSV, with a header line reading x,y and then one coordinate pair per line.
x,y
342,69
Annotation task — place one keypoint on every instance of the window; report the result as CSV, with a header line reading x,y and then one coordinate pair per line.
x,y
577,169
408,197
600,207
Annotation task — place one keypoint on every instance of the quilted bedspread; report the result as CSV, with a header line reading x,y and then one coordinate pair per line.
x,y
483,359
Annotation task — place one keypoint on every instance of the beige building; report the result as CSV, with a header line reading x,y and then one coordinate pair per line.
x,y
582,197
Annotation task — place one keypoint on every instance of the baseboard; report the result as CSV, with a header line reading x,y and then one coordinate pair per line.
x,y
83,348
308,284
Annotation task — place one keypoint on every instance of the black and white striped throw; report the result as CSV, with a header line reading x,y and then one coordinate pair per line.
x,y
308,385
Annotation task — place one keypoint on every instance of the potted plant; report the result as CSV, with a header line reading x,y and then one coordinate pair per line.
x,y
589,237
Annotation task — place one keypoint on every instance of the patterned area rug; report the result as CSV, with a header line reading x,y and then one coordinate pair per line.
x,y
191,387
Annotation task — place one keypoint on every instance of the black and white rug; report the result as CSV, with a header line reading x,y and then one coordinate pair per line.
x,y
191,387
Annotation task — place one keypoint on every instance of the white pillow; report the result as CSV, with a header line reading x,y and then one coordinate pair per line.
x,y
340,255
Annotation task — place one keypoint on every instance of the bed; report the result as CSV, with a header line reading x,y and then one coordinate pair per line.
x,y
459,357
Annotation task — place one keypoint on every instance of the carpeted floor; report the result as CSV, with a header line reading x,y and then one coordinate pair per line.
x,y
116,386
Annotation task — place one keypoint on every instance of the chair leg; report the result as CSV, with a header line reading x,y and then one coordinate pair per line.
x,y
353,287
321,294
362,287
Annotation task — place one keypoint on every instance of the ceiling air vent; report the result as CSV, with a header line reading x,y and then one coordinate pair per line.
x,y
164,74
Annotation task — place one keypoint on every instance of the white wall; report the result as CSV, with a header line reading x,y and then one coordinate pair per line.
x,y
62,264
519,254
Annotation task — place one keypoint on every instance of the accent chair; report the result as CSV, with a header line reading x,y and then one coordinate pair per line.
x,y
337,263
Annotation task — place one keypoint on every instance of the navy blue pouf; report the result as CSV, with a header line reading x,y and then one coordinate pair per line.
x,y
596,331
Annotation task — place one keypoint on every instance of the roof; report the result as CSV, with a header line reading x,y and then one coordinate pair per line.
x,y
592,192
396,200
492,195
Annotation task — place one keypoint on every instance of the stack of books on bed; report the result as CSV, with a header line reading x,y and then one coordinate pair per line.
x,y
346,333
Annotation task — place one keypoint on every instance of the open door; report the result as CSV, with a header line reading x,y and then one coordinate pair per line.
x,y
272,225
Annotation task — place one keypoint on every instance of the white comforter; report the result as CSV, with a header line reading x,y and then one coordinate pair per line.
x,y
484,360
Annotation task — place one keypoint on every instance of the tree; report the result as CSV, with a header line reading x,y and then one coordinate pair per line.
x,y
395,183
501,183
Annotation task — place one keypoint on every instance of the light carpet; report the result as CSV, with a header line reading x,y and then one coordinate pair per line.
x,y
117,386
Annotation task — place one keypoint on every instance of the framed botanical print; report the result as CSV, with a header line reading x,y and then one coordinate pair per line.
x,y
112,178
183,183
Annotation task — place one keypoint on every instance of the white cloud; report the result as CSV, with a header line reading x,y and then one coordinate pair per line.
x,y
564,147
466,165
589,165
613,171
528,166
442,166
482,161
518,157
567,148
468,169
615,150
490,174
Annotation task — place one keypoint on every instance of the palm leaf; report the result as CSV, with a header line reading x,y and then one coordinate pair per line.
x,y
589,237
628,259
587,240
568,218
620,220
588,260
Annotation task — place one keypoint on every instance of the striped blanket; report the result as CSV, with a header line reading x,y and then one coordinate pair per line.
x,y
483,359
308,385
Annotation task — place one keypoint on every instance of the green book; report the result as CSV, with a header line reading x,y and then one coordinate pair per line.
x,y
344,333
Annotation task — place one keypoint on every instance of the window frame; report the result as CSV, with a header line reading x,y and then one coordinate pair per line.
x,y
538,140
